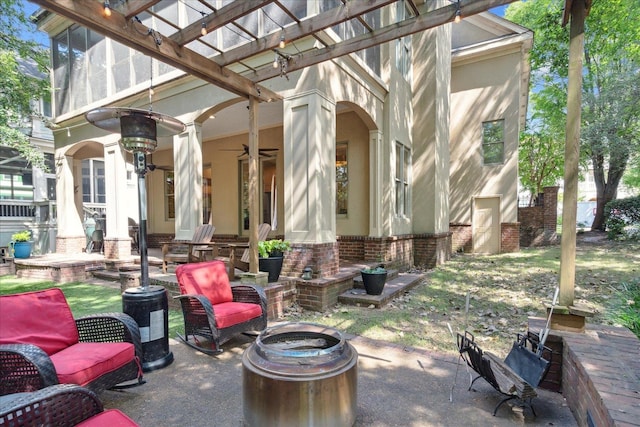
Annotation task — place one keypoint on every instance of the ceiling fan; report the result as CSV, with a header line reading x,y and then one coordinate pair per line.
x,y
152,166
262,152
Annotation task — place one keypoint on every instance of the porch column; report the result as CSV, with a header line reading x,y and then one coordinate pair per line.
x,y
70,238
309,181
376,163
431,108
187,160
117,243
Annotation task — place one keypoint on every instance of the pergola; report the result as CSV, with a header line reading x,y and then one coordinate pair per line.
x,y
240,69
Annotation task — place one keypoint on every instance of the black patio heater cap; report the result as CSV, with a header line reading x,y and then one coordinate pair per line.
x,y
148,305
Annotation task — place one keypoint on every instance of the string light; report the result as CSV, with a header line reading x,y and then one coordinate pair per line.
x,y
203,30
68,133
282,41
276,61
458,17
107,8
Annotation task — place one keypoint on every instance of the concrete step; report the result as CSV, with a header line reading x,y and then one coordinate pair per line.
x,y
392,289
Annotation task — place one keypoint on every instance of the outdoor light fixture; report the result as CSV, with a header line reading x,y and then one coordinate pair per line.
x,y
148,305
458,17
203,30
282,43
107,8
276,62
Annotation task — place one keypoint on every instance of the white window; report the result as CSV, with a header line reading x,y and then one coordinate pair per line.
x,y
403,169
493,142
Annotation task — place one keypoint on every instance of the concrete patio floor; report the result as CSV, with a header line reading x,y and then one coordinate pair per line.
x,y
396,387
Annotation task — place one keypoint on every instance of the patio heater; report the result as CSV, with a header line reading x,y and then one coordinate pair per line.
x,y
148,305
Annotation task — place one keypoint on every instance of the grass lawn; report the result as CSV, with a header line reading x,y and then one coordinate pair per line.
x,y
504,291
84,298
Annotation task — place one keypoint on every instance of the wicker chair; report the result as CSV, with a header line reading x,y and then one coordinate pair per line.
x,y
41,344
60,405
213,310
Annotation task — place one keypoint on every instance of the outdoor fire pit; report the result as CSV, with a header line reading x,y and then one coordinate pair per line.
x,y
300,374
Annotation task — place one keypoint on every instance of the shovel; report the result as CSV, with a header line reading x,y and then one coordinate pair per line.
x,y
530,365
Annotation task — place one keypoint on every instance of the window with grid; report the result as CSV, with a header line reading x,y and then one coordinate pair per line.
x,y
403,166
493,142
403,44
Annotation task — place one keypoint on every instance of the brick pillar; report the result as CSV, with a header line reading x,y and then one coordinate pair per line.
x,y
550,214
321,257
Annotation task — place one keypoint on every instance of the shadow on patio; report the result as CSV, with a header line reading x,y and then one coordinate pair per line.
x,y
396,387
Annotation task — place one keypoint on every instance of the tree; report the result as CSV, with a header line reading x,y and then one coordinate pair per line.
x,y
632,178
19,89
612,60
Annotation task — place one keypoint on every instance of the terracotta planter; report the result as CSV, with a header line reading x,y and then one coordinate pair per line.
x,y
374,282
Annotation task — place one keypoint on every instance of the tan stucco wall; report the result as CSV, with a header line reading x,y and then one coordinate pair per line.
x,y
350,129
482,91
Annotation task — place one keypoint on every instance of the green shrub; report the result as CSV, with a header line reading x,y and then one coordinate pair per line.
x,y
622,217
21,236
627,312
267,248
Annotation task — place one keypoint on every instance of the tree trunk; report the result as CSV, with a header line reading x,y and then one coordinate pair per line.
x,y
606,191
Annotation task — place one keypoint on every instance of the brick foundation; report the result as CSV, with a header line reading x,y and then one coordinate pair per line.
x,y
61,272
117,248
70,244
461,239
509,237
322,258
432,249
538,223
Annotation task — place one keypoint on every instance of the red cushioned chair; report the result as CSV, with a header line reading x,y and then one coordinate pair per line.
x,y
41,344
59,405
215,311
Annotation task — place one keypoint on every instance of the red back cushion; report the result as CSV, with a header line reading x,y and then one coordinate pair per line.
x,y
205,278
42,318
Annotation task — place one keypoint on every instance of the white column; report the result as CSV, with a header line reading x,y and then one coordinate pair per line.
x,y
430,192
69,219
117,194
376,193
187,160
309,174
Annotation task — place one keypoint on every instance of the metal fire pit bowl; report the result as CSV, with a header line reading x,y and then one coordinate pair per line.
x,y
300,374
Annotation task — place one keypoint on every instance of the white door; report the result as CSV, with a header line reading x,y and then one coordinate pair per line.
x,y
486,225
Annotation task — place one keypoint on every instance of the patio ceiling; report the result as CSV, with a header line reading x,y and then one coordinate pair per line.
x,y
240,68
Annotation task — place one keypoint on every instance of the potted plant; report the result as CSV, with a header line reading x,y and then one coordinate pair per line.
x,y
271,256
21,244
374,279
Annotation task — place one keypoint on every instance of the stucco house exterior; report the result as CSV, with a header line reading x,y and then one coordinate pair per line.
x,y
401,153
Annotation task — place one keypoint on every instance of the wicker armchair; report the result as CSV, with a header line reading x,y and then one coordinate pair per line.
x,y
213,310
60,405
41,344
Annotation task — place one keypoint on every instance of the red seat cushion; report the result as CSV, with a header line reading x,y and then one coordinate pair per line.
x,y
84,362
42,318
231,313
205,278
108,418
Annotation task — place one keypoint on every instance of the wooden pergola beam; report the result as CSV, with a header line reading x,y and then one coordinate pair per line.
x,y
426,20
305,28
217,19
149,42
